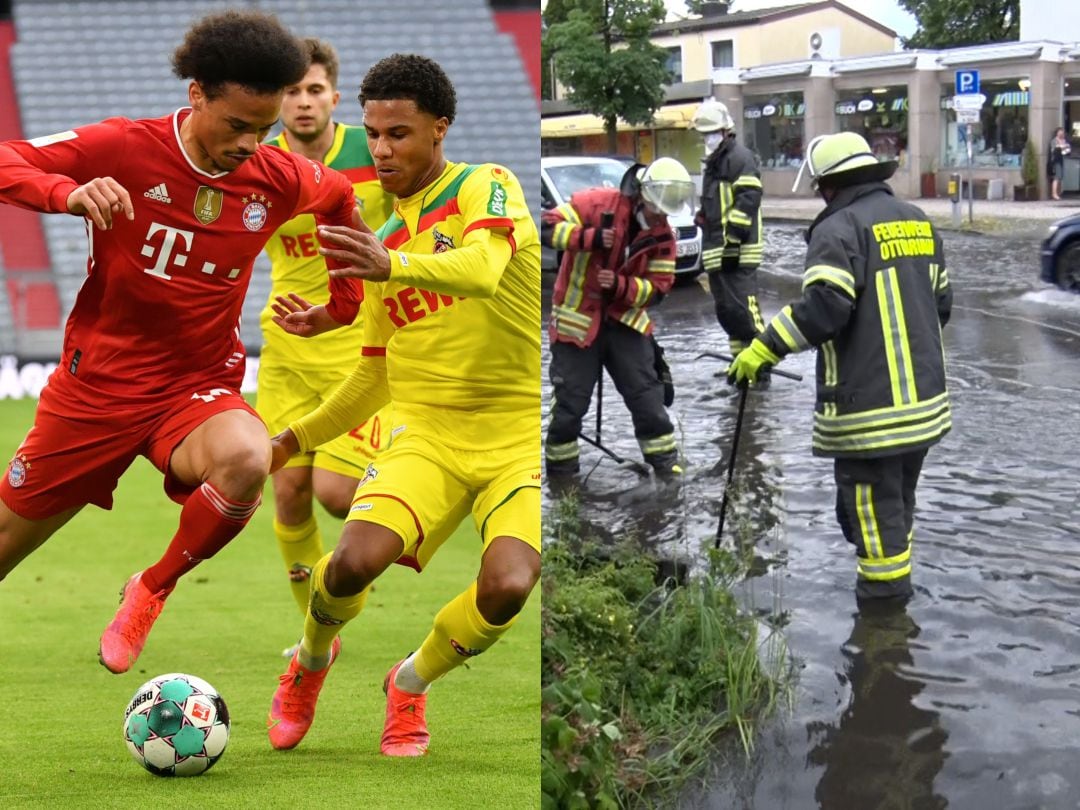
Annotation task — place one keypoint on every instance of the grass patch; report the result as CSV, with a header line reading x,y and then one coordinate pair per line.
x,y
641,680
61,741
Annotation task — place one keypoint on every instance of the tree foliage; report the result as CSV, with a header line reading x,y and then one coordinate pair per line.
x,y
697,7
602,54
955,23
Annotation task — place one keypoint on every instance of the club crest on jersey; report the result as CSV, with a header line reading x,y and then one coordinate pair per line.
x,y
443,242
370,474
208,204
500,174
254,215
17,471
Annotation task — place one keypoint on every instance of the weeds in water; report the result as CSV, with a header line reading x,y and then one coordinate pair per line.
x,y
640,678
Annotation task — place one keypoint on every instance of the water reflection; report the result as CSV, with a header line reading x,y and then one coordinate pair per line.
x,y
884,750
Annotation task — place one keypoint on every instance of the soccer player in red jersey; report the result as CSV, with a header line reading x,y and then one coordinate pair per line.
x,y
177,210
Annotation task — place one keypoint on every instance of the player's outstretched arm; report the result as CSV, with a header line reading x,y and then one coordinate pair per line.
x,y
300,317
282,447
99,200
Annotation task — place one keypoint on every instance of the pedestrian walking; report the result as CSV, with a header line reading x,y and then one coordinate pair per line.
x,y
1055,161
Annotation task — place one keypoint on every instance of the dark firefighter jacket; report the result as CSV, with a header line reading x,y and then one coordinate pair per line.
x,y
643,261
730,204
875,297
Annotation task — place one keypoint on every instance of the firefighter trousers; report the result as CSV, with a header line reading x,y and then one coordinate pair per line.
x,y
630,359
875,506
734,292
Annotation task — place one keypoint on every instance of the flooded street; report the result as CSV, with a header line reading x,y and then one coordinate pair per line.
x,y
972,698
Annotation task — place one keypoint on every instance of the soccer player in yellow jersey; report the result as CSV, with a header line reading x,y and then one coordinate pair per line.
x,y
452,337
297,375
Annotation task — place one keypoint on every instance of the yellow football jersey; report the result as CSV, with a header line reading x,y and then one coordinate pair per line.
x,y
459,317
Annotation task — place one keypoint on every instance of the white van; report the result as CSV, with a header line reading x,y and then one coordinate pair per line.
x,y
562,176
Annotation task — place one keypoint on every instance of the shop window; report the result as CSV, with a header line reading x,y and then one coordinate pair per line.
x,y
773,127
879,114
998,139
1071,120
723,54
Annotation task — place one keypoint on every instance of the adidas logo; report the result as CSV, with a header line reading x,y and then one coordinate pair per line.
x,y
159,193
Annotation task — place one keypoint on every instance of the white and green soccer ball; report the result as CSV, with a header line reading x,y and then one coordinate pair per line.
x,y
176,725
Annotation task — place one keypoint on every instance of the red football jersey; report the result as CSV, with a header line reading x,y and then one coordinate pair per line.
x,y
160,308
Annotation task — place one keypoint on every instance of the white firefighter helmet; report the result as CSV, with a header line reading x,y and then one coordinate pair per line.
x,y
666,185
842,159
712,116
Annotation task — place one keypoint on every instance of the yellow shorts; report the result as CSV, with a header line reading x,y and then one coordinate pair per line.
x,y
287,392
421,490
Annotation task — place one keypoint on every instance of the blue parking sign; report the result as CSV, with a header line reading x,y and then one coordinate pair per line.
x,y
967,82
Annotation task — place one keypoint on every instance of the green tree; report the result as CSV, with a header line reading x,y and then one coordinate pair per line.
x,y
954,23
610,82
698,6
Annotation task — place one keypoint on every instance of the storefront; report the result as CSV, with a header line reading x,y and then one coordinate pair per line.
x,y
999,138
1070,120
902,103
773,128
879,114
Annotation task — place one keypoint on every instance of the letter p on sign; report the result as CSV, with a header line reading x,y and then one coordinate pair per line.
x,y
967,82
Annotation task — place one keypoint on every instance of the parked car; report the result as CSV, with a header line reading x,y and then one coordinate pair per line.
x,y
562,176
1061,254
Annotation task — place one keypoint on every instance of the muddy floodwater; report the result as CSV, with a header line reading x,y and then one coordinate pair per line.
x,y
970,699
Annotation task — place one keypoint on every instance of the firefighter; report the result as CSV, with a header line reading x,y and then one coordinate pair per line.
x,y
618,260
875,298
730,219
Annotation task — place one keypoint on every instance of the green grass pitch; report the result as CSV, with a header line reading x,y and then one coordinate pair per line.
x,y
61,712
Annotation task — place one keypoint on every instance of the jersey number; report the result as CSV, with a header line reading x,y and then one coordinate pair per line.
x,y
375,438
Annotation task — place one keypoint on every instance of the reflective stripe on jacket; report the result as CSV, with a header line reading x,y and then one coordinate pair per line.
x,y
731,203
643,261
875,296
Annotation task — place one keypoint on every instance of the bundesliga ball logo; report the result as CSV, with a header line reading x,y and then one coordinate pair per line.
x,y
176,725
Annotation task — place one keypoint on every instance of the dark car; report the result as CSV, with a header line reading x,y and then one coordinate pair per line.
x,y
1061,254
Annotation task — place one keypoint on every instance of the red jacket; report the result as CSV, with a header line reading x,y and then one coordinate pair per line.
x,y
644,266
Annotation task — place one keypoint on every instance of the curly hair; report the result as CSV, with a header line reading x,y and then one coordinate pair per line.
x,y
248,48
414,77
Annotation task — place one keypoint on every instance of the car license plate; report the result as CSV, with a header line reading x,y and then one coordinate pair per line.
x,y
686,248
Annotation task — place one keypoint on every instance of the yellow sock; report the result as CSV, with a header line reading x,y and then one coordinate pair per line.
x,y
327,614
459,633
301,547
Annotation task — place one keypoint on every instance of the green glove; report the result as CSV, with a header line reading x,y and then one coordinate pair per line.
x,y
748,363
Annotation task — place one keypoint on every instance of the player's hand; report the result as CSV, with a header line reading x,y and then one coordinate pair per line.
x,y
282,447
99,200
360,249
607,237
300,317
605,278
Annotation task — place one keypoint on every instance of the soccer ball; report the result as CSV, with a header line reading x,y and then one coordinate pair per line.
x,y
176,725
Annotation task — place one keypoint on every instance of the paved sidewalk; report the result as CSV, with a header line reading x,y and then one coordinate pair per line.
x,y
1003,217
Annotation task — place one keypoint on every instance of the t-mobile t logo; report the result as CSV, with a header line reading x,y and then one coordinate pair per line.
x,y
170,253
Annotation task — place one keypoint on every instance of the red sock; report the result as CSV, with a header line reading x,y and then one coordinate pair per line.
x,y
208,522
